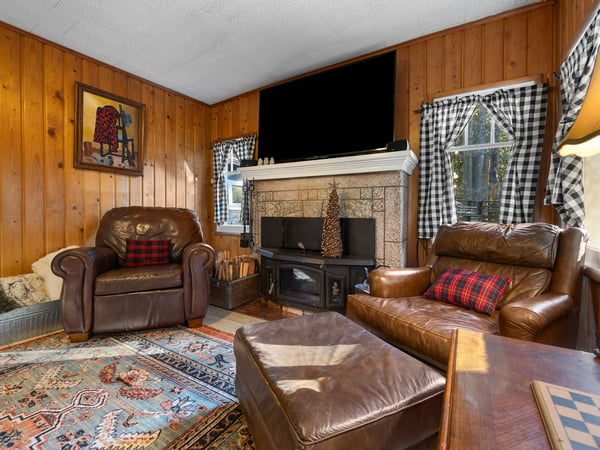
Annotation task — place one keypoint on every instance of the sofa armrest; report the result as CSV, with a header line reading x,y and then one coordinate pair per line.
x,y
78,268
402,282
198,260
199,255
526,319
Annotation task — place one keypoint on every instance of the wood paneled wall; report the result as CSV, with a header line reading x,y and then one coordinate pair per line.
x,y
506,47
573,16
229,119
46,204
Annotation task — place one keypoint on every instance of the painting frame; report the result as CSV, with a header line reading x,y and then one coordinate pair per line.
x,y
109,132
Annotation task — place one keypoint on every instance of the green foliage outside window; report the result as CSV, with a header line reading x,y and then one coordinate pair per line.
x,y
480,157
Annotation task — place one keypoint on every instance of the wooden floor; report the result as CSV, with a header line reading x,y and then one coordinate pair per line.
x,y
263,309
258,310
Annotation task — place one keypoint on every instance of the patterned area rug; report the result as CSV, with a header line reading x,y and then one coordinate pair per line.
x,y
170,388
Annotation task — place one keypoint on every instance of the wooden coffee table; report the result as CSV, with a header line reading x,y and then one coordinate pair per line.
x,y
488,400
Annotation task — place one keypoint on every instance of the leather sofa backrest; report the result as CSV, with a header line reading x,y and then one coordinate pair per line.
x,y
149,223
530,245
529,253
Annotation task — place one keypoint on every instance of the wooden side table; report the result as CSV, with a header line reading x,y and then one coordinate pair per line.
x,y
488,401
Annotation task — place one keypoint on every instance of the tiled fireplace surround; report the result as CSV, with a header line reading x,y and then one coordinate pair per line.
x,y
369,186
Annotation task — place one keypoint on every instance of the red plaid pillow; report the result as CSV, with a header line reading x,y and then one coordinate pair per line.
x,y
468,288
147,253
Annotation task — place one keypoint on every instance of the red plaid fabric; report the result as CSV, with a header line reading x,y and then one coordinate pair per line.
x,y
468,289
147,253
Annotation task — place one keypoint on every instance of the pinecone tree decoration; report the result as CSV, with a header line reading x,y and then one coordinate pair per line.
x,y
331,240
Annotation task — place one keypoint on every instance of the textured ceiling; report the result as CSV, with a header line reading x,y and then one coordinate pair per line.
x,y
212,50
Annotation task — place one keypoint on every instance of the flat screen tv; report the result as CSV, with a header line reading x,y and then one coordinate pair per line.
x,y
338,112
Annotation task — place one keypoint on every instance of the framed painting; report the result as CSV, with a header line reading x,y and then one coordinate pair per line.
x,y
109,132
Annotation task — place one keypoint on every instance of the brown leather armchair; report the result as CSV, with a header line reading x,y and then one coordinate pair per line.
x,y
540,304
100,295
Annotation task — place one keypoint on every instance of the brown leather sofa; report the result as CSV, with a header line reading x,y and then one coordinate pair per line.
x,y
100,295
540,304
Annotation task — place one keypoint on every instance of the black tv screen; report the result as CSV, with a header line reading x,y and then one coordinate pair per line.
x,y
341,111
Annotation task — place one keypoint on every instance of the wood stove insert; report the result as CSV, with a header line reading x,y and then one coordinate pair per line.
x,y
294,273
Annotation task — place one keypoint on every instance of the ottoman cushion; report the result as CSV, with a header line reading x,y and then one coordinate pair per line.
x,y
323,382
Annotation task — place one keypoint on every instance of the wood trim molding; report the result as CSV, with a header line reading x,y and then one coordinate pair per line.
x,y
403,161
537,79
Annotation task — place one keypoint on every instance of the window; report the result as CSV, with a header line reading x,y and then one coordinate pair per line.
x,y
234,192
480,156
591,186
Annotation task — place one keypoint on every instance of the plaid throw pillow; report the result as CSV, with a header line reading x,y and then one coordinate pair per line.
x,y
147,253
468,289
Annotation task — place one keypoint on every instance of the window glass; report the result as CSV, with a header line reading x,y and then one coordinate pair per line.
x,y
234,192
591,188
233,182
479,127
480,156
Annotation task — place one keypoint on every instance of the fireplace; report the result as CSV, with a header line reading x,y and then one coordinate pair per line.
x,y
294,273
373,187
369,186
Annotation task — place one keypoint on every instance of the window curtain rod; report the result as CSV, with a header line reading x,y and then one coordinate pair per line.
x,y
484,89
212,144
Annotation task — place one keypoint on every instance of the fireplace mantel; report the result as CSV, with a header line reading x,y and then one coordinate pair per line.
x,y
403,161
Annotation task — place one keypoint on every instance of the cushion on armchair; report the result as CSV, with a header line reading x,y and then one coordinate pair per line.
x,y
147,252
469,289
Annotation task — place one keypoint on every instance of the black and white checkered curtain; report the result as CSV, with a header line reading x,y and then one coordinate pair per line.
x,y
522,114
441,123
565,180
243,148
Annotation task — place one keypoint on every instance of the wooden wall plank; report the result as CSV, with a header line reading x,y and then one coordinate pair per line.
x,y
33,146
11,169
179,147
515,56
453,60
160,156
54,144
493,51
434,54
419,89
170,151
73,221
473,51
203,168
417,95
402,113
148,185
539,32
189,164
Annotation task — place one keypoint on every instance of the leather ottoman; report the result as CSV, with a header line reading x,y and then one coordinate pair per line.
x,y
323,382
